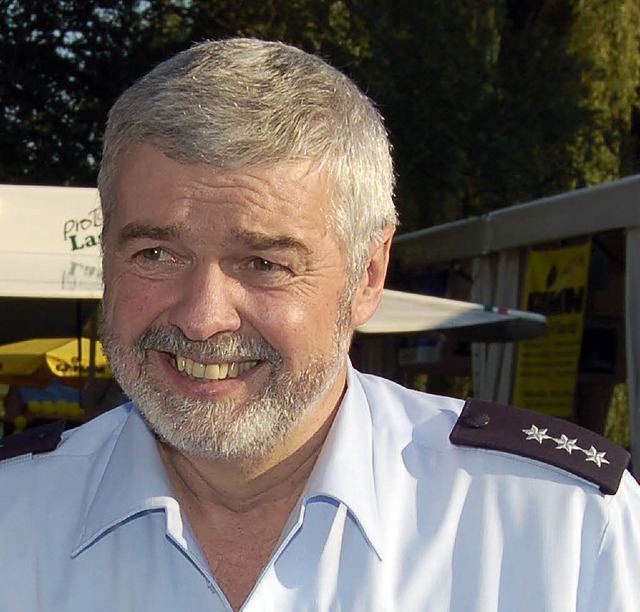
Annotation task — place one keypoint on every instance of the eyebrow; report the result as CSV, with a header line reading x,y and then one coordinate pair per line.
x,y
265,242
133,231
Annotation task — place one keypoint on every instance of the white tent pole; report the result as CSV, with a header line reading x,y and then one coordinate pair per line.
x,y
495,281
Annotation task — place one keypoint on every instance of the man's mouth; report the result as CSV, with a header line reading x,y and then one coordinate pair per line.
x,y
213,371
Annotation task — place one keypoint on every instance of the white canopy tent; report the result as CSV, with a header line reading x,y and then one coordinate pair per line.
x,y
49,248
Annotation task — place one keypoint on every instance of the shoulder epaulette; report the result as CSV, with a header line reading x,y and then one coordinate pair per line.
x,y
545,438
41,439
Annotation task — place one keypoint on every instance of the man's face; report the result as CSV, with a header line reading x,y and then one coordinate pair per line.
x,y
224,312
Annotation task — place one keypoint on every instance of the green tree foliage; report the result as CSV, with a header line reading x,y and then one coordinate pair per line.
x,y
606,37
488,102
492,103
434,74
327,27
62,64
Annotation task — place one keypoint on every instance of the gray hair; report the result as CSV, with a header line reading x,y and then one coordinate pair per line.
x,y
241,103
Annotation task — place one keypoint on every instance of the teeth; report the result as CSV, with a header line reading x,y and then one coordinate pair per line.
x,y
198,370
213,371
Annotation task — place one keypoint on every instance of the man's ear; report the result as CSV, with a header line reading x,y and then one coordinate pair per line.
x,y
367,296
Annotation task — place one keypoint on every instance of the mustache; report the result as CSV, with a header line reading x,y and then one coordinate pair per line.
x,y
226,347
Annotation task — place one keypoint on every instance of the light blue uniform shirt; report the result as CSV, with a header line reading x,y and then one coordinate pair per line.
x,y
393,518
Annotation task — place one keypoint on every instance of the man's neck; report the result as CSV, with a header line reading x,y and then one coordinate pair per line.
x,y
238,511
241,484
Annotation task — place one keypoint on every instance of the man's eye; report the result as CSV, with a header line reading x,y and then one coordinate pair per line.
x,y
264,265
157,254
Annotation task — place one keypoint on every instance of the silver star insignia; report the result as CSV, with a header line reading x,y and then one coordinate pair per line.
x,y
536,434
596,457
565,443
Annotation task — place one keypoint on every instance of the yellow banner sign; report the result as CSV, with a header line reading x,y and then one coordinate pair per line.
x,y
547,367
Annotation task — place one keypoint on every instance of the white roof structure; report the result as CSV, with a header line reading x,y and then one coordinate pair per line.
x,y
582,212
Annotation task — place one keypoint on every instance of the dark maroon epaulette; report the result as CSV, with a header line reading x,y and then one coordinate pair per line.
x,y
41,439
545,438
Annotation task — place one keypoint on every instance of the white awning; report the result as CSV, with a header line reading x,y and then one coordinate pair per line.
x,y
50,242
401,312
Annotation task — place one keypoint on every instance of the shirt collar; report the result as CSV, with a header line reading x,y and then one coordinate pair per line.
x,y
344,470
134,481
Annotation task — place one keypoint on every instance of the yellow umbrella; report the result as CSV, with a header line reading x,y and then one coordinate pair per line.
x,y
36,362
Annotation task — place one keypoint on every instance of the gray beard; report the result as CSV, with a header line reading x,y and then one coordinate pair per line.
x,y
224,429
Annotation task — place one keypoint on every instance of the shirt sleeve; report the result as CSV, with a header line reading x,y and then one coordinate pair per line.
x,y
615,585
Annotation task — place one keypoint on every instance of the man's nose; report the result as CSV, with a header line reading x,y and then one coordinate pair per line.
x,y
207,303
